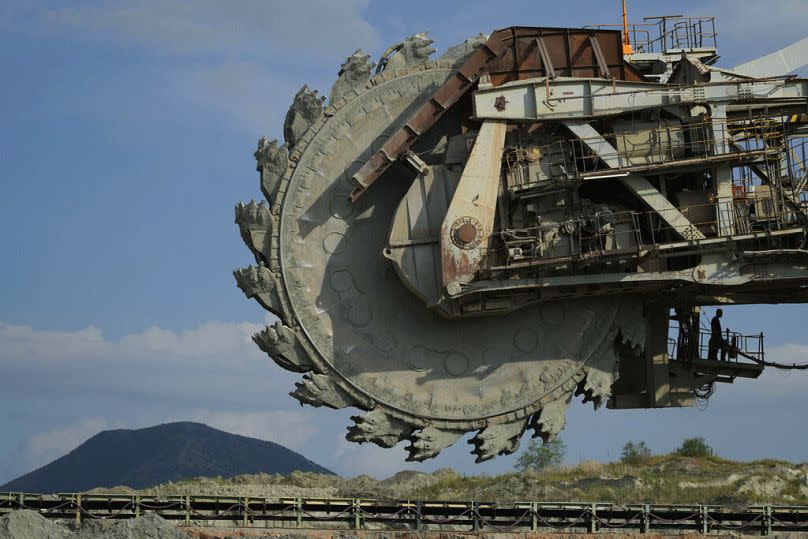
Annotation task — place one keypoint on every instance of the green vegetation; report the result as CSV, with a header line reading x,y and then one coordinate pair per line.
x,y
635,453
691,474
540,457
670,478
694,447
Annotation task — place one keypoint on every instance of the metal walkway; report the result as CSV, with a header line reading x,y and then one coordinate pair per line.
x,y
357,513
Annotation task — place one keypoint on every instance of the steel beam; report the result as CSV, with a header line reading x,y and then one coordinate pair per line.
x,y
469,220
722,173
574,98
638,185
428,114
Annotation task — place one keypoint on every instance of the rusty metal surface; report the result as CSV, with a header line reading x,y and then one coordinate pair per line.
x,y
514,53
560,52
469,221
425,117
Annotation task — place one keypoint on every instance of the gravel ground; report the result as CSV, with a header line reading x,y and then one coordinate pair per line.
x,y
148,526
25,524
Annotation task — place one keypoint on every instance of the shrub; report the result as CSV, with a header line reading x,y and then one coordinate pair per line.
x,y
694,447
539,457
590,467
635,453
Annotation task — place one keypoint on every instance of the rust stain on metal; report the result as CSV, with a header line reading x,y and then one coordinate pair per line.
x,y
589,53
430,112
459,265
466,233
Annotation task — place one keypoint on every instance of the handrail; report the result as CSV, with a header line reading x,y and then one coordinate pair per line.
x,y
412,515
662,144
670,34
590,235
737,345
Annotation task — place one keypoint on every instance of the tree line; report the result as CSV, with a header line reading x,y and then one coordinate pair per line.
x,y
550,455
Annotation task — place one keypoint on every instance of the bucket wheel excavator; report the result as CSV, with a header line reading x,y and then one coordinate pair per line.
x,y
464,244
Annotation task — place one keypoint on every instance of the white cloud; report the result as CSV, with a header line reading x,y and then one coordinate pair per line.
x,y
56,442
50,444
211,341
213,366
213,373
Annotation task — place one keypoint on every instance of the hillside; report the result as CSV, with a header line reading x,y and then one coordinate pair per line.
x,y
171,452
659,479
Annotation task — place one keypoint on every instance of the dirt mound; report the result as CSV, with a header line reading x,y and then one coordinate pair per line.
x,y
658,479
25,524
148,526
410,481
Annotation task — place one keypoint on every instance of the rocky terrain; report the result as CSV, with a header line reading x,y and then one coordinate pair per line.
x,y
659,479
25,524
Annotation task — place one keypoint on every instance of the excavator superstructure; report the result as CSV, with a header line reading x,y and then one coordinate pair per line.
x,y
465,244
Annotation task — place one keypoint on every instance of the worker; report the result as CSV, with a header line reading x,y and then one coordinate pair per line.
x,y
717,341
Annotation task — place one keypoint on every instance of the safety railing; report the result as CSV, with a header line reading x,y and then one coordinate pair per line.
x,y
603,234
796,164
574,158
733,346
670,34
414,515
675,34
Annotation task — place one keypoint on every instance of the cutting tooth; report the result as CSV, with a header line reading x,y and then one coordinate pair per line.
x,y
271,161
596,387
428,442
253,214
414,50
259,282
497,439
601,374
354,73
283,346
306,109
255,223
632,327
379,428
319,390
248,279
551,419
459,53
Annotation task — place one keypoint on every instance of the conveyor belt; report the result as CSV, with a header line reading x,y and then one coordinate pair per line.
x,y
420,515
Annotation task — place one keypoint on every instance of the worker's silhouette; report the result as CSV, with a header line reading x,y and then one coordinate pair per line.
x,y
717,341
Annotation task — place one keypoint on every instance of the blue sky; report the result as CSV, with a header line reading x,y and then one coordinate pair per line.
x,y
126,139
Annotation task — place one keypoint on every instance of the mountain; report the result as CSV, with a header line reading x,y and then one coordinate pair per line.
x,y
142,458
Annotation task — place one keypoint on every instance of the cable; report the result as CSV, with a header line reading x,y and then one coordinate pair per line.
x,y
703,394
781,366
774,364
